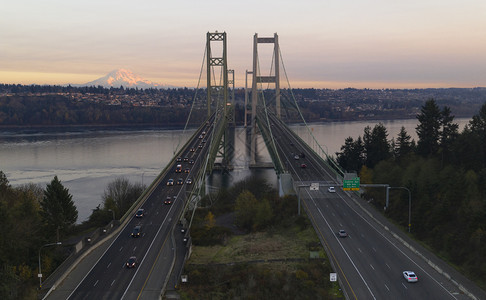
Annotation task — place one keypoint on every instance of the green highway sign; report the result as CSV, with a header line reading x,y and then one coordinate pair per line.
x,y
351,184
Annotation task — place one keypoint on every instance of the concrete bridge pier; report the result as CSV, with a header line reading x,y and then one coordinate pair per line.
x,y
285,185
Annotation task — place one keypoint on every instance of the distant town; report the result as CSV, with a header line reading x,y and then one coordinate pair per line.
x,y
39,105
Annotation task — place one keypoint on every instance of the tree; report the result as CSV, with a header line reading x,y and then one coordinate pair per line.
x,y
120,194
477,129
449,132
245,210
403,145
428,129
58,209
210,221
351,157
376,144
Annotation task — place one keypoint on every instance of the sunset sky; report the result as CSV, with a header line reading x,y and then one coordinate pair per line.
x,y
324,43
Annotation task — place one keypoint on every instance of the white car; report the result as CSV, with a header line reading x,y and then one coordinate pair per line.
x,y
342,233
410,276
331,189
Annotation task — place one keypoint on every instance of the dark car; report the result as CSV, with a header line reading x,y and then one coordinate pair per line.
x,y
170,182
140,213
136,231
187,170
180,181
191,161
179,159
303,166
131,262
168,200
186,158
193,149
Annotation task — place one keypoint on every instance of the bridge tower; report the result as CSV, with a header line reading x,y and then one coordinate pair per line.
x,y
216,89
217,97
258,79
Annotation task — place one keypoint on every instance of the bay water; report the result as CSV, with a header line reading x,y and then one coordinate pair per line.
x,y
87,160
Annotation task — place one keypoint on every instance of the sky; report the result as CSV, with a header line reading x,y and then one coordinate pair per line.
x,y
323,43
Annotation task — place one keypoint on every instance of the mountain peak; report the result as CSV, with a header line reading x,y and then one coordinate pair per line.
x,y
125,78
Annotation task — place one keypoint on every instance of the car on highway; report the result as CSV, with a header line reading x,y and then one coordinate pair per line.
x,y
193,149
200,146
191,161
168,200
342,233
178,169
186,159
189,181
200,136
178,159
180,181
410,276
187,170
140,213
331,189
170,182
296,157
303,166
136,231
131,262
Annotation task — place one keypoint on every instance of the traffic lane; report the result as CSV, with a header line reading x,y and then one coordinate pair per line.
x,y
413,262
158,260
106,277
99,282
374,271
304,175
340,263
390,260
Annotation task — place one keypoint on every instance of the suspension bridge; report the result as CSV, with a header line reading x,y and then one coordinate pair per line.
x,y
368,264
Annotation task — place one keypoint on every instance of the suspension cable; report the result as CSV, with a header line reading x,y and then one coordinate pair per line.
x,y
193,103
335,165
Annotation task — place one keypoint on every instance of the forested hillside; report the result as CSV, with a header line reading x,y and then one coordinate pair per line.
x,y
445,171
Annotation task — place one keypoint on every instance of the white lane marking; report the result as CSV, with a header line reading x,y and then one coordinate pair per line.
x,y
134,248
388,266
96,283
359,249
112,282
373,249
372,267
108,265
121,248
404,286
387,287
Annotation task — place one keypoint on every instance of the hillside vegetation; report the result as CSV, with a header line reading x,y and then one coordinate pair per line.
x,y
445,171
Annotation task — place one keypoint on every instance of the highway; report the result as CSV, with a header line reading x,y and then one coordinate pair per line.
x,y
110,278
370,261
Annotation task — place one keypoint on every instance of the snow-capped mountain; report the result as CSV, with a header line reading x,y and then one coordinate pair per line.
x,y
125,78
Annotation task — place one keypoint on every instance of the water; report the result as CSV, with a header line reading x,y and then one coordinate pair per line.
x,y
87,160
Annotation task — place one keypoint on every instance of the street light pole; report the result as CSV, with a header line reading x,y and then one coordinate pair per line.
x,y
409,203
40,270
113,213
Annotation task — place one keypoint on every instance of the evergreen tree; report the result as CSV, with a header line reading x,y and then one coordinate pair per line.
x,y
449,133
428,129
58,209
403,145
477,130
352,156
376,144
